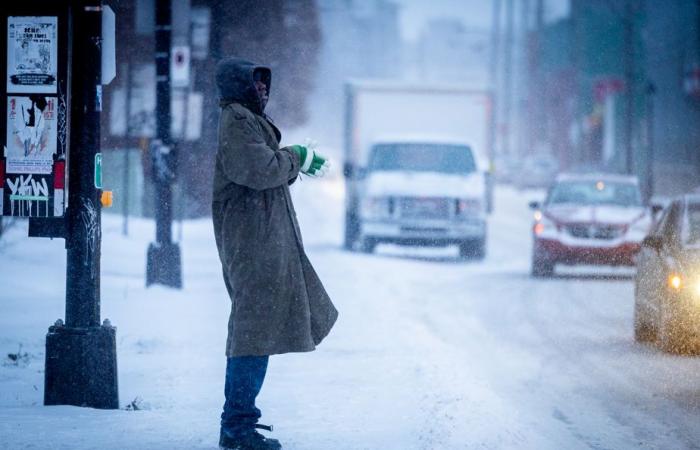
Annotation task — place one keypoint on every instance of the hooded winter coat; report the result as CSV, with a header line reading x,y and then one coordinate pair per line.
x,y
278,304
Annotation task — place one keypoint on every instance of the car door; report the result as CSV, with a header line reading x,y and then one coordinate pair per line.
x,y
659,262
647,277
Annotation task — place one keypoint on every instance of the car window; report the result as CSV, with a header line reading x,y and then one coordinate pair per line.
x,y
595,193
669,229
660,222
691,225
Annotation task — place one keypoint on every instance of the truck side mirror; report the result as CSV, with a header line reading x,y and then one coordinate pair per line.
x,y
654,242
535,205
347,170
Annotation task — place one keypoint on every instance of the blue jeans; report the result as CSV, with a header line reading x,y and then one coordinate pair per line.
x,y
244,378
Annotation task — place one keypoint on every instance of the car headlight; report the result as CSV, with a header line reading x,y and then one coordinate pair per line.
x,y
679,283
543,225
675,282
376,207
469,206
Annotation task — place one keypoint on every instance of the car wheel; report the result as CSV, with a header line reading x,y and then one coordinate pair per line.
x,y
643,329
473,249
673,335
352,231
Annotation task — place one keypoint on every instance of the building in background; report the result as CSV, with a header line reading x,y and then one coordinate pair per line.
x,y
359,39
449,52
622,90
672,41
283,35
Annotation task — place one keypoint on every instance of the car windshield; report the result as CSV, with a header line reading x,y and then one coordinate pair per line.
x,y
691,228
595,193
456,159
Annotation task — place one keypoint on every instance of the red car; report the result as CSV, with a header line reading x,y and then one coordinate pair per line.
x,y
589,219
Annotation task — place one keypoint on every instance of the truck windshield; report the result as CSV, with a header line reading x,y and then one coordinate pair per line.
x,y
457,159
595,193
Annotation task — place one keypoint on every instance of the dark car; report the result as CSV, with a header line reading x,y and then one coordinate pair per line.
x,y
588,219
667,285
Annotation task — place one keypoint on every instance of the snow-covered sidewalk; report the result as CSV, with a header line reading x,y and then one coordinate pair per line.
x,y
429,352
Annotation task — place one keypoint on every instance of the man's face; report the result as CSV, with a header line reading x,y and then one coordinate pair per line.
x,y
262,93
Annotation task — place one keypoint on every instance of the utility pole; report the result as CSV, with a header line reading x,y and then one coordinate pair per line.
x,y
81,358
649,184
629,71
538,129
164,263
524,79
493,68
508,78
129,133
493,106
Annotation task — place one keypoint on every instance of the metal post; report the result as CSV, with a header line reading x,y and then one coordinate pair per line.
x,y
649,185
81,361
163,264
493,105
508,78
125,179
629,69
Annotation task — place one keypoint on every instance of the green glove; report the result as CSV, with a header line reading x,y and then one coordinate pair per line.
x,y
312,163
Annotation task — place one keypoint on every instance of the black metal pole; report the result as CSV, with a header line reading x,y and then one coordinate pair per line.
x,y
163,264
84,207
649,185
629,72
127,151
81,361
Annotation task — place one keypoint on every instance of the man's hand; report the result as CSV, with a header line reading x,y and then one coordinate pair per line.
x,y
312,163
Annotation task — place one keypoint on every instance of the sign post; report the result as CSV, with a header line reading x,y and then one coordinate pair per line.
x,y
50,50
163,260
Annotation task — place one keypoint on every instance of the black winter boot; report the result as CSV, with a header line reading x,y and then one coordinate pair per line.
x,y
249,441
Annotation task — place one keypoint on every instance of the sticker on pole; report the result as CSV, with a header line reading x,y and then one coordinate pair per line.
x,y
98,170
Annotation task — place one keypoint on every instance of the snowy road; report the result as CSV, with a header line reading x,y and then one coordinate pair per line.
x,y
430,352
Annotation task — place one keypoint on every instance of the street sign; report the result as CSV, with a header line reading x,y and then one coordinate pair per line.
x,y
98,171
201,23
180,66
109,50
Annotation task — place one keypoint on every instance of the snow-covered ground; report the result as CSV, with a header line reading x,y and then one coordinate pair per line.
x,y
429,352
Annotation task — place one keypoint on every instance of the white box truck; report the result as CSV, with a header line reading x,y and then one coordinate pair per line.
x,y
416,166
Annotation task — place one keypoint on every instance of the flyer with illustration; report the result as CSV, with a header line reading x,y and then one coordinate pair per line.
x,y
31,134
32,55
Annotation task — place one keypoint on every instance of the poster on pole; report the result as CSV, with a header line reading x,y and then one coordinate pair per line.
x,y
32,54
31,134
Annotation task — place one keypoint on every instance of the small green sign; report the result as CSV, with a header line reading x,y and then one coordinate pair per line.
x,y
98,170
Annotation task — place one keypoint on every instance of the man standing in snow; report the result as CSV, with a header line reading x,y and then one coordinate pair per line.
x,y
278,304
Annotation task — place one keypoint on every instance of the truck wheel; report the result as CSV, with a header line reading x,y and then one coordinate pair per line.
x,y
368,245
473,249
643,329
352,231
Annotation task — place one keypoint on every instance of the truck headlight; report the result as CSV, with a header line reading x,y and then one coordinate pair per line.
x,y
376,207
